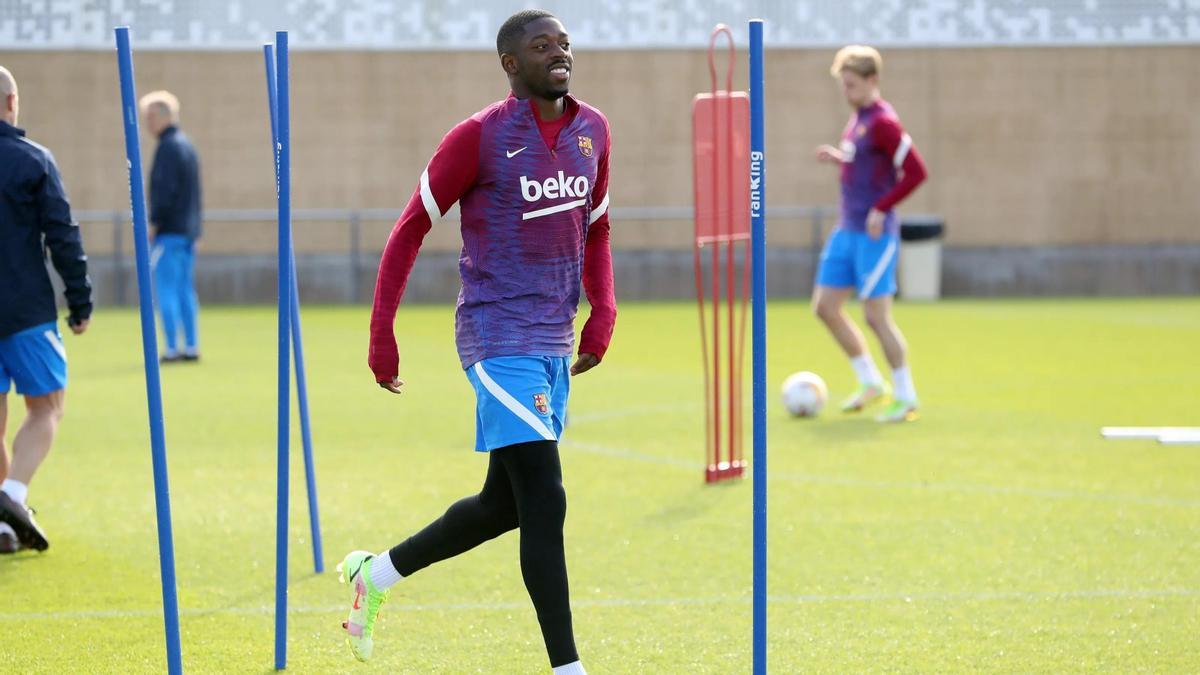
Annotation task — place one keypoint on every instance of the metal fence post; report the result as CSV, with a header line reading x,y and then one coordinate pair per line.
x,y
815,244
355,256
118,242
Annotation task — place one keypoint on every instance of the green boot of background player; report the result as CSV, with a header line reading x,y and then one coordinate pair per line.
x,y
898,411
355,570
866,395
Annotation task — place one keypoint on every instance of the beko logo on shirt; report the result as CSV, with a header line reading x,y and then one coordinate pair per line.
x,y
554,187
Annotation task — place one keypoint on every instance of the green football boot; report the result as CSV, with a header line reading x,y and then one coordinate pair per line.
x,y
898,411
355,570
866,395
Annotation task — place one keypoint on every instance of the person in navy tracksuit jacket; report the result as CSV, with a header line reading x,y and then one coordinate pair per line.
x,y
34,218
175,220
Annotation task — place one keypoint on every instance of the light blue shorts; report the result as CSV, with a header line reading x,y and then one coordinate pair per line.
x,y
854,259
519,399
35,360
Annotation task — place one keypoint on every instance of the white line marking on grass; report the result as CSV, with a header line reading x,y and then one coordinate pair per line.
x,y
939,486
1181,438
1146,433
633,455
986,596
605,415
837,598
980,488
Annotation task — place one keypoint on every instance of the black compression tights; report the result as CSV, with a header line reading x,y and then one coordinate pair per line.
x,y
523,488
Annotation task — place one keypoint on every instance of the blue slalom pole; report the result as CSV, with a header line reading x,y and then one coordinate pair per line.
x,y
283,180
158,444
272,103
310,479
758,273
314,517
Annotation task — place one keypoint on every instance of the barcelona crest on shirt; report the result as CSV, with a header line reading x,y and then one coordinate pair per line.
x,y
585,146
540,403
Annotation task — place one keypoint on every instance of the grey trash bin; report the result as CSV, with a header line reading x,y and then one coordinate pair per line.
x,y
920,273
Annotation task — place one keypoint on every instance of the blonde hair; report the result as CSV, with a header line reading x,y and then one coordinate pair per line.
x,y
859,59
8,83
164,100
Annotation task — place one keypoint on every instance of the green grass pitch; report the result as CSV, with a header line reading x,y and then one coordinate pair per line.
x,y
998,533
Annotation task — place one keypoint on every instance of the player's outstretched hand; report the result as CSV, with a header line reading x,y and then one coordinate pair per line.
x,y
394,385
79,326
584,363
828,153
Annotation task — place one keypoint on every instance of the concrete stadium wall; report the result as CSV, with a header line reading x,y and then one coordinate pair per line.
x,y
1057,169
1027,147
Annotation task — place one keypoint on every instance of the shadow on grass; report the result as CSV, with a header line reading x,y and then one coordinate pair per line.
x,y
695,506
831,427
20,557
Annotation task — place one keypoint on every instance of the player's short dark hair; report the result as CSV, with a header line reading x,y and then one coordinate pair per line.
x,y
514,28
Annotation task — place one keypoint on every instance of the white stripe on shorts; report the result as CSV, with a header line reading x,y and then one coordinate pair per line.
x,y
511,403
877,273
56,343
155,254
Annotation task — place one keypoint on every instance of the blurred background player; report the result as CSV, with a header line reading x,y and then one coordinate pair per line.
x,y
175,223
531,176
879,168
34,216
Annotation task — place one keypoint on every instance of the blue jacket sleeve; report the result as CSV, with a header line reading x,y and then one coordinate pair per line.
x,y
62,238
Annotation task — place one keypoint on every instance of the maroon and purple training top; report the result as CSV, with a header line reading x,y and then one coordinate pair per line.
x,y
875,148
533,197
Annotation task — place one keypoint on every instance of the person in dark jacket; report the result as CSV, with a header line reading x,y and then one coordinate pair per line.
x,y
34,217
175,224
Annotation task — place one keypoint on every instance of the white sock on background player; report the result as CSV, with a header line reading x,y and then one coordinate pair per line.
x,y
902,380
383,572
573,668
864,368
15,489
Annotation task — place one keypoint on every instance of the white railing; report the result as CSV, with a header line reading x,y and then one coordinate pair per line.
x,y
818,217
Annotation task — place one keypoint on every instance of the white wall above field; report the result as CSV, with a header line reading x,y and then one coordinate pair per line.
x,y
594,24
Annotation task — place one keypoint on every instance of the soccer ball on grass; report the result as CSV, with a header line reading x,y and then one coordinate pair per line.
x,y
804,394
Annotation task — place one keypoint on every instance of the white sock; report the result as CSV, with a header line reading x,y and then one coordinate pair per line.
x,y
383,572
15,489
864,368
905,390
574,668
5,528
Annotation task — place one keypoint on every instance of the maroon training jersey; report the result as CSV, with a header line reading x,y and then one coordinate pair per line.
x,y
534,222
875,149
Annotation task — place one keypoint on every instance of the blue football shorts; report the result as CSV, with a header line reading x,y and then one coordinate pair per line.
x,y
854,259
519,399
35,360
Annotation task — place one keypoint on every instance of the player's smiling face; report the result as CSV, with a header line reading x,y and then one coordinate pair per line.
x,y
544,59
